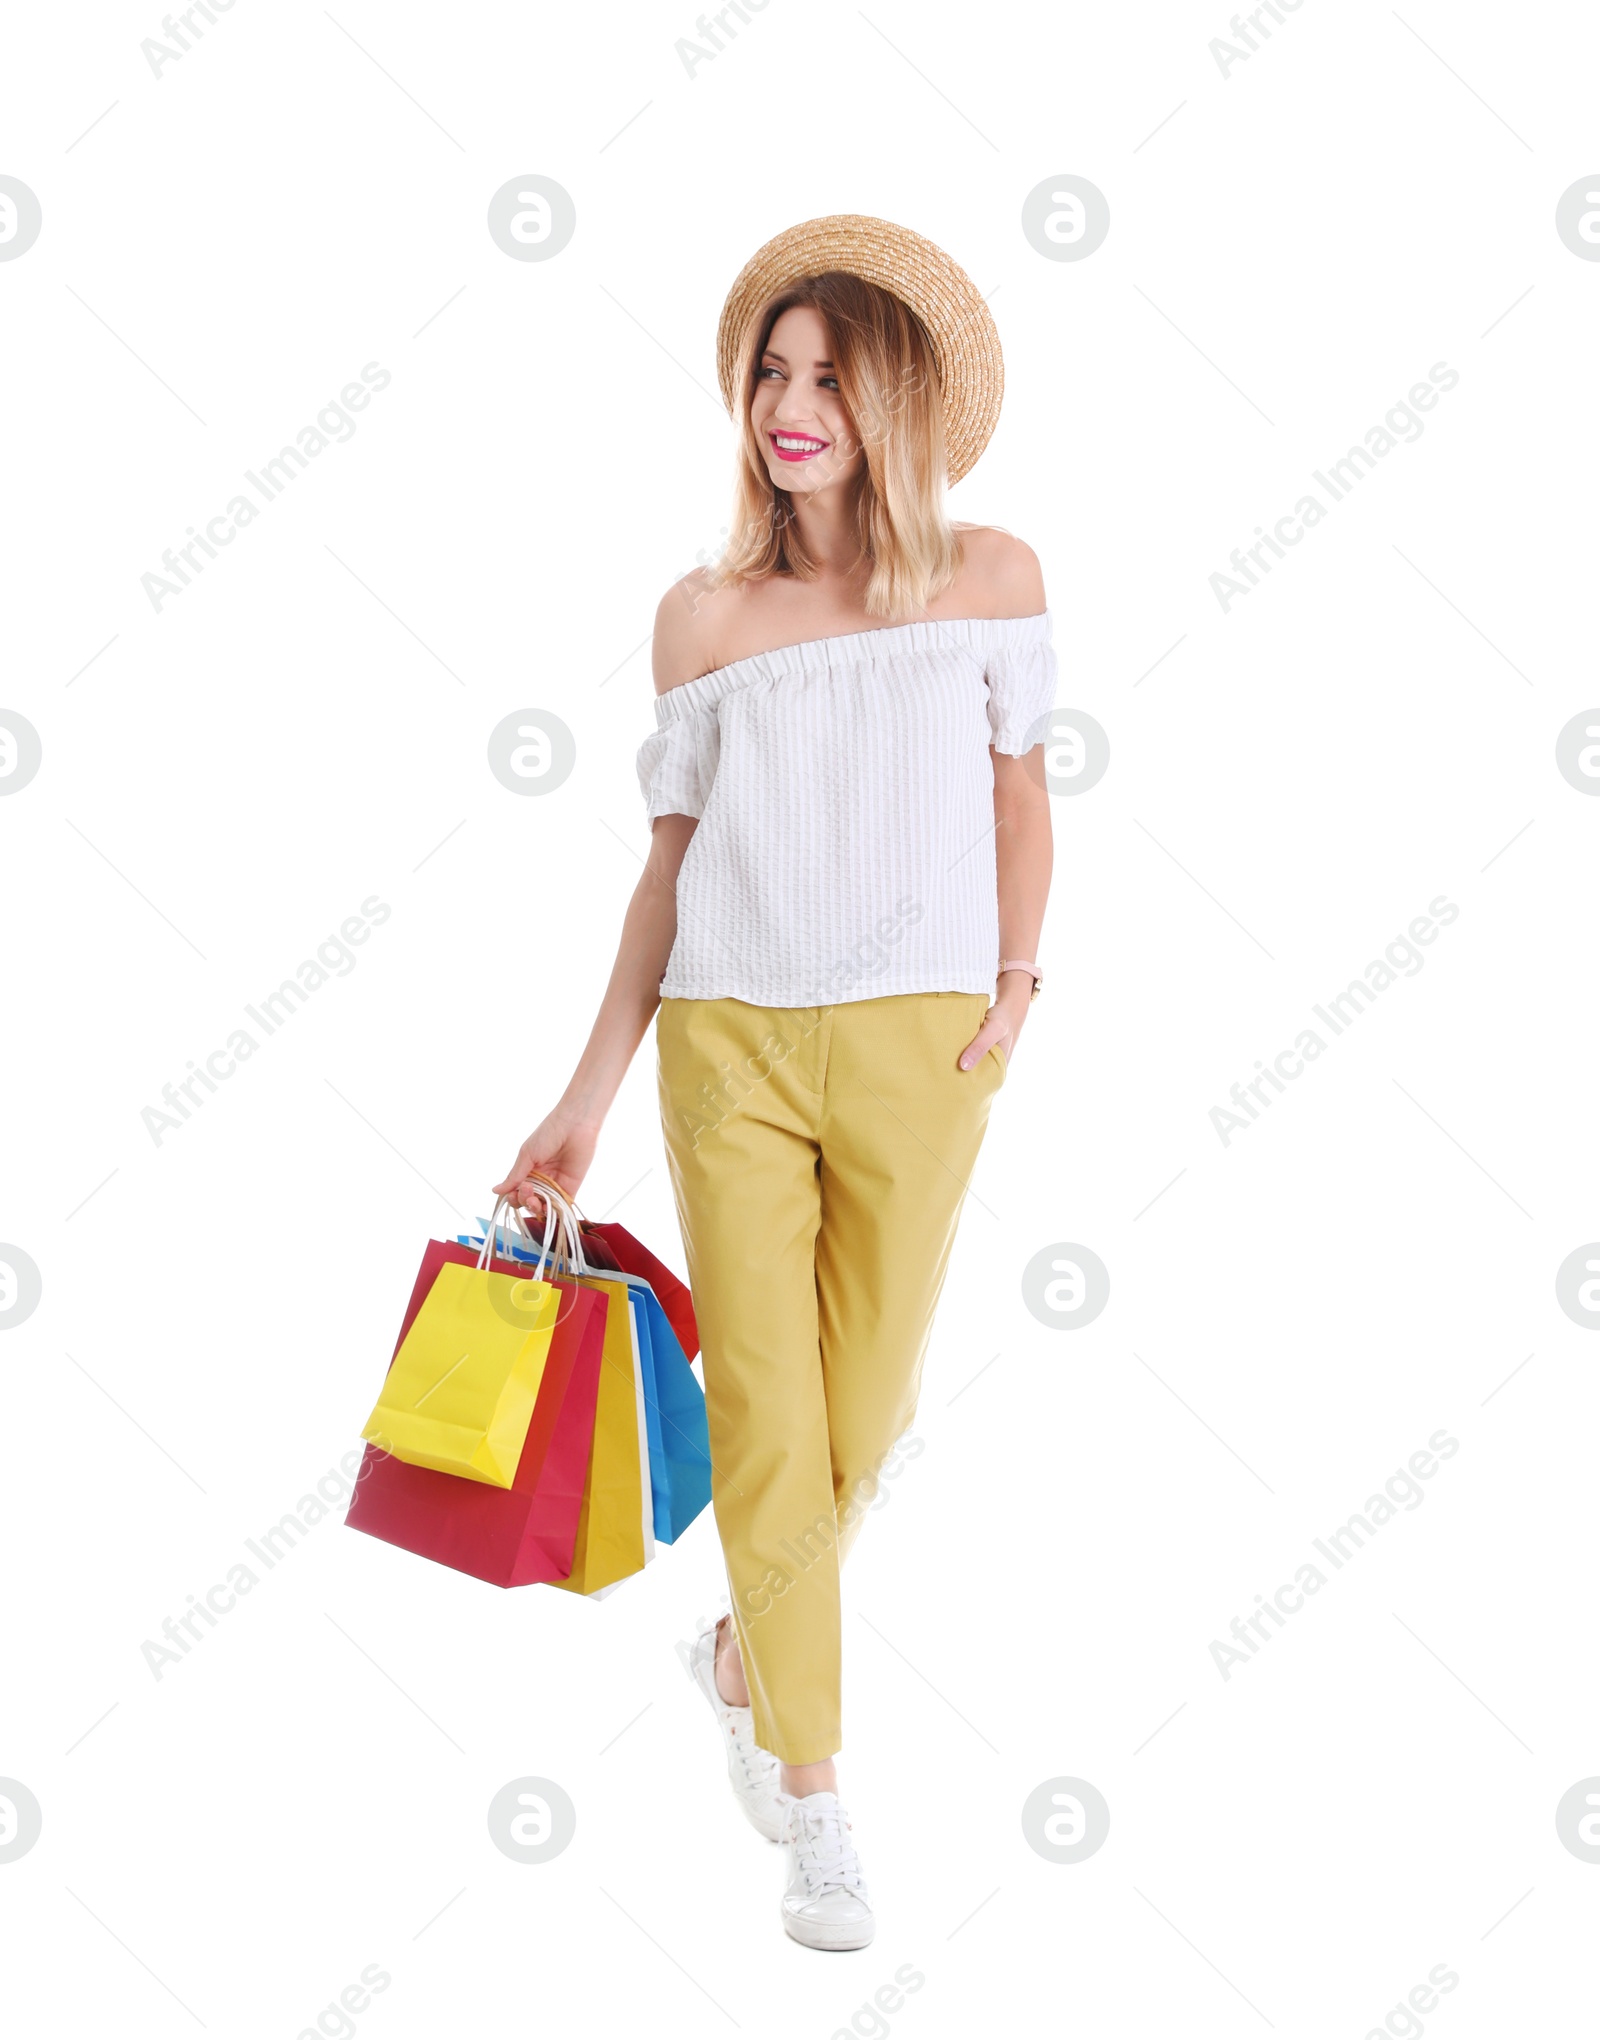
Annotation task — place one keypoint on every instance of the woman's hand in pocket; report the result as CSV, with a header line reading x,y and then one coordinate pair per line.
x,y
1002,1024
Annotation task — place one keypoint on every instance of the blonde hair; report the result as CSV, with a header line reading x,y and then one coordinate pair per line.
x,y
884,363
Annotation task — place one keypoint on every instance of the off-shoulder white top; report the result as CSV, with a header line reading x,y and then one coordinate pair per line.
x,y
845,798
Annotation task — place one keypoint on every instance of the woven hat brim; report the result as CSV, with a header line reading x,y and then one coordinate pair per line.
x,y
966,343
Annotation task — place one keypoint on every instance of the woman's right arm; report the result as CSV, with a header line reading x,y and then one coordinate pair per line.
x,y
562,1145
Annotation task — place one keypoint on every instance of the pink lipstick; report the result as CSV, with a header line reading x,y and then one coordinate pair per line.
x,y
796,445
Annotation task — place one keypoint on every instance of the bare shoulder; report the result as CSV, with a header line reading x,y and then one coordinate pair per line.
x,y
1001,574
680,647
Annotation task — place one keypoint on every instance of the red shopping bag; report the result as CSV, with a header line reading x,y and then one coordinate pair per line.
x,y
512,1536
635,1259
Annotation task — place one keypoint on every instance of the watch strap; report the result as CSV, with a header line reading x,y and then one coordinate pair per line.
x,y
1033,970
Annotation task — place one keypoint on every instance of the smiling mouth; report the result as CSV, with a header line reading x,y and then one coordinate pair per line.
x,y
796,445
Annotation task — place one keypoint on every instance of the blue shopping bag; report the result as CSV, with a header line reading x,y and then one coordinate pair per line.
x,y
675,1417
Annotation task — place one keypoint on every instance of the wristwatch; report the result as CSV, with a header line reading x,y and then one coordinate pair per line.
x,y
1033,970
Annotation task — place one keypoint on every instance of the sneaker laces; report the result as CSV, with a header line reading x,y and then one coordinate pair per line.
x,y
757,1764
826,1855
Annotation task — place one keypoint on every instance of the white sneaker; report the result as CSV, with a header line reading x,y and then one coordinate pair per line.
x,y
825,1903
752,1771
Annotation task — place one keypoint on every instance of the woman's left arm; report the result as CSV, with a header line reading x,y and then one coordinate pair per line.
x,y
1011,576
1023,856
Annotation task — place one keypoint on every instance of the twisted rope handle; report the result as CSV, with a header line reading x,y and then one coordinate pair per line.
x,y
557,1200
566,1197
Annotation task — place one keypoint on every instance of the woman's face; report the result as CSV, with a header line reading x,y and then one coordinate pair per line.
x,y
799,416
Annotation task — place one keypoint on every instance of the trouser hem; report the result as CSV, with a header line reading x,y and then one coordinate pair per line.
x,y
811,1749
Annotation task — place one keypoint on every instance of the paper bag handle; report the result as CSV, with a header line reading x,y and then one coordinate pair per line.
x,y
557,1200
486,1253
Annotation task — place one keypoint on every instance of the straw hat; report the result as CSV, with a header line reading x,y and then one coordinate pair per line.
x,y
966,346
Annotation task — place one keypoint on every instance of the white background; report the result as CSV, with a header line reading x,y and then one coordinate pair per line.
x,y
1291,783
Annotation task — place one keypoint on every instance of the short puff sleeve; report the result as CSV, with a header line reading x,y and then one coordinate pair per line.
x,y
1020,668
677,764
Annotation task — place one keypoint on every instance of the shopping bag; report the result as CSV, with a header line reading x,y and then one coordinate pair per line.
x,y
462,1388
675,1413
509,1537
644,1355
615,1525
549,1407
635,1259
680,1451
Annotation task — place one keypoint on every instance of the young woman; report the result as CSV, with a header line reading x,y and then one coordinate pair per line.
x,y
847,876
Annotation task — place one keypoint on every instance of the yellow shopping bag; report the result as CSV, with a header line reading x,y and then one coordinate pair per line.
x,y
615,1537
460,1395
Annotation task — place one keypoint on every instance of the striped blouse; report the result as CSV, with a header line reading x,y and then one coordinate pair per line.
x,y
845,799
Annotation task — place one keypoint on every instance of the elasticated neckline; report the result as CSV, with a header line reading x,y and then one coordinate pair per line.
x,y
818,655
